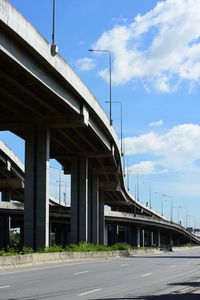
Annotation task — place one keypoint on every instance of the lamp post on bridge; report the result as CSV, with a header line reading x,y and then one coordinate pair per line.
x,y
179,207
110,70
161,201
149,183
171,206
54,48
59,181
121,124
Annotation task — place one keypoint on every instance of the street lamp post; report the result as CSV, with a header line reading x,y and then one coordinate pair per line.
x,y
161,200
110,69
149,192
127,177
172,206
53,29
121,133
137,191
59,181
179,207
54,48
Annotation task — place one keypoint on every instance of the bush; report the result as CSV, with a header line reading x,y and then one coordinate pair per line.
x,y
53,248
27,250
14,240
89,247
118,247
81,247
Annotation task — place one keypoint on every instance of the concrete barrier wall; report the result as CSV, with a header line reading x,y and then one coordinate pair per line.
x,y
12,262
144,251
175,249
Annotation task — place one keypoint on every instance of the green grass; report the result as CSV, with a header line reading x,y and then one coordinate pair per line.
x,y
81,247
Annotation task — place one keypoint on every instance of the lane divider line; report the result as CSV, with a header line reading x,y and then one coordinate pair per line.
x,y
147,274
83,272
4,286
89,292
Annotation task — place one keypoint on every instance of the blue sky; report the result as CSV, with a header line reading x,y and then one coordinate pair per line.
x,y
155,74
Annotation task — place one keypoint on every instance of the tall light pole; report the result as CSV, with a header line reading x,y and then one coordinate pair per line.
x,y
53,29
127,177
110,70
149,192
161,200
121,134
172,206
59,181
179,207
137,191
54,48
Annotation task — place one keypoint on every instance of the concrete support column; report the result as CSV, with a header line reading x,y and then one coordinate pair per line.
x,y
138,237
50,244
143,238
159,238
106,235
36,194
6,195
79,200
59,235
93,209
101,218
129,235
170,240
21,235
4,231
152,239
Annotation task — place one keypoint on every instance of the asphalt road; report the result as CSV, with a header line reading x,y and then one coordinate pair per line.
x,y
170,276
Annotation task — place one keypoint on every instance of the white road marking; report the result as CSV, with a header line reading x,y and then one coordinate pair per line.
x,y
4,286
173,266
89,292
83,272
123,265
147,274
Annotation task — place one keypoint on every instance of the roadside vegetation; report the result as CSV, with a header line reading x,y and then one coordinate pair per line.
x,y
13,249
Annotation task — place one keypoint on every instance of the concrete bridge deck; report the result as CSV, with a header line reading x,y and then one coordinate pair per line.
x,y
44,102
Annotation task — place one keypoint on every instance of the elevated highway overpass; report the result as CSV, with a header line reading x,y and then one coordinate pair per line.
x,y
136,229
44,102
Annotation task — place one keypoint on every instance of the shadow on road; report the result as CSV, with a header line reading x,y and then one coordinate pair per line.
x,y
174,296
159,297
188,283
165,256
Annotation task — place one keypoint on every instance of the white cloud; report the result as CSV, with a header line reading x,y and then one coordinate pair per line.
x,y
156,123
178,150
171,53
164,171
85,64
144,167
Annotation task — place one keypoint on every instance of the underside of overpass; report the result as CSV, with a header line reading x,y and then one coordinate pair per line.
x,y
45,103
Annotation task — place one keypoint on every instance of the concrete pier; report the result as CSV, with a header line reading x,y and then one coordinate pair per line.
x,y
36,194
79,200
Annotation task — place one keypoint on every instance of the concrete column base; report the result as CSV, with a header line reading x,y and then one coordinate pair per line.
x,y
36,194
138,237
4,231
79,200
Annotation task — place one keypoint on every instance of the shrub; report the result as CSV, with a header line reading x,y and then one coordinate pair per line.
x,y
27,250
